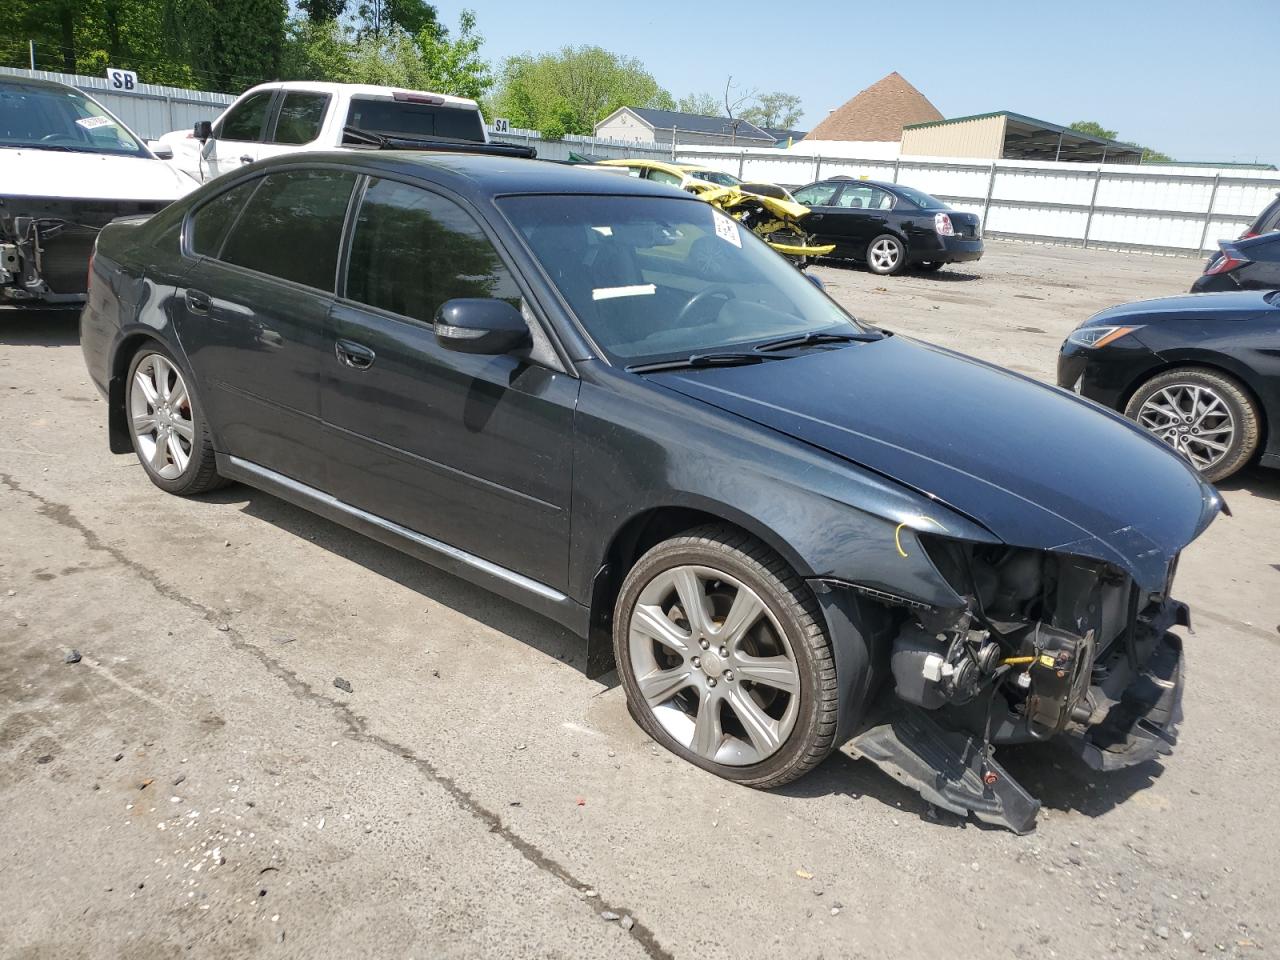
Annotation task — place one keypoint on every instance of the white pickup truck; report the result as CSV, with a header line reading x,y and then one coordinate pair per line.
x,y
275,118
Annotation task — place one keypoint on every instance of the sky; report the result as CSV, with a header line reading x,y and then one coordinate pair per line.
x,y
1196,80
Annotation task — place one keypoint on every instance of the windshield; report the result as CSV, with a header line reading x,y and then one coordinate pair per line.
x,y
54,118
715,176
404,118
920,198
654,278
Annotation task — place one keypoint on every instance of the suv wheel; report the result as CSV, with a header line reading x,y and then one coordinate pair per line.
x,y
724,657
1206,416
167,425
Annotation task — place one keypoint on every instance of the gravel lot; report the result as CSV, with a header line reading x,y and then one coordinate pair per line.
x,y
197,786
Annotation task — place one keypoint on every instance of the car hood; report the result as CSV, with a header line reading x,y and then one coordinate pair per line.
x,y
1035,465
1233,305
88,176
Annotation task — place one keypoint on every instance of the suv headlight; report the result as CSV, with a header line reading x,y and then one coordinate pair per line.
x,y
1095,337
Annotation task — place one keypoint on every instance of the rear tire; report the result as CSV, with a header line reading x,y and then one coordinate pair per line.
x,y
1206,416
167,426
886,255
724,657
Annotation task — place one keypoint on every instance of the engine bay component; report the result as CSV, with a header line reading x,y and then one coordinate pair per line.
x,y
1045,644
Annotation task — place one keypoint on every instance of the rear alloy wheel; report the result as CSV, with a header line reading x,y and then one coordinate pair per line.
x,y
886,255
1206,416
724,659
168,432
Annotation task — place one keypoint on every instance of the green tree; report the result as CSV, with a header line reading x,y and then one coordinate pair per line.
x,y
381,17
775,109
235,43
322,11
1154,156
703,104
1092,128
431,59
571,90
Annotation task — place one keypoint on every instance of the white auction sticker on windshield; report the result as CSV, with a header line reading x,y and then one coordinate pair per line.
x,y
92,123
726,228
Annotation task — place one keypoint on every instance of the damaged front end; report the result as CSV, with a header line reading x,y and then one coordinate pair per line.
x,y
1044,644
776,221
45,245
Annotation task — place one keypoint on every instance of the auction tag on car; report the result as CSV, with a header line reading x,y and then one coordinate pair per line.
x,y
92,123
726,228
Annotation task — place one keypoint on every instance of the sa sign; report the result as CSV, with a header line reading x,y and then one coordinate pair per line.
x,y
501,125
122,79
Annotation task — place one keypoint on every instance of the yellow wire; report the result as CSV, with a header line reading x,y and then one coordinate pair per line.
x,y
1017,661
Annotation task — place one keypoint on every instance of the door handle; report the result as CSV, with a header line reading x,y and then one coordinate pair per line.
x,y
197,301
354,354
245,158
813,217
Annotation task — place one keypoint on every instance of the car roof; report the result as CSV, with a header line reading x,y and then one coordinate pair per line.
x,y
359,90
478,176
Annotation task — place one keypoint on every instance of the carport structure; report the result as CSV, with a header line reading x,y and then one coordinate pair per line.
x,y
1012,136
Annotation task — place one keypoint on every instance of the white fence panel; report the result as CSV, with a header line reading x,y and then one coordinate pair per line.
x,y
1036,221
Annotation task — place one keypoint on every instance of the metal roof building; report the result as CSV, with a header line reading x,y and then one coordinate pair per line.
x,y
1004,135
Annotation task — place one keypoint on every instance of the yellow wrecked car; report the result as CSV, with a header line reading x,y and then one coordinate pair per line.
x,y
766,209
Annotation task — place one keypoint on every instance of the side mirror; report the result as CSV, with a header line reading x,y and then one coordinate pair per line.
x,y
475,325
162,151
203,130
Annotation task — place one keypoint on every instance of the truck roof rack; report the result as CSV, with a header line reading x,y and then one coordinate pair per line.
x,y
380,141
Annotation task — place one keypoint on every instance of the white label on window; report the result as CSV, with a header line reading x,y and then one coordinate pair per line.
x,y
726,228
636,290
92,123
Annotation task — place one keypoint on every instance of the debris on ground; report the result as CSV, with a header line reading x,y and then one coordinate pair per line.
x,y
179,778
222,626
343,685
803,874
608,915
627,923
73,656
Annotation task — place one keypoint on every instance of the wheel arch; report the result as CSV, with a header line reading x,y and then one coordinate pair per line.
x,y
643,530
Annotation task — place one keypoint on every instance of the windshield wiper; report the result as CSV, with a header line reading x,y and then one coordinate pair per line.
x,y
702,360
806,339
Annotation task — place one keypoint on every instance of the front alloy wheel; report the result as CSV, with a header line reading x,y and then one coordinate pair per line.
x,y
724,657
1204,415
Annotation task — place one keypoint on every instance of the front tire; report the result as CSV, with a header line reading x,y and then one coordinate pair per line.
x,y
724,658
886,255
1206,416
167,425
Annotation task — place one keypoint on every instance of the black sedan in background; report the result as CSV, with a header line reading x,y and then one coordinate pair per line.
x,y
889,226
1246,264
1202,373
765,512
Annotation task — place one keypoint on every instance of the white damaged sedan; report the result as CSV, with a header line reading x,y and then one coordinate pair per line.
x,y
67,168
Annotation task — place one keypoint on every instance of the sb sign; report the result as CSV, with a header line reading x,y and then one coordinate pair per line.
x,y
122,79
501,125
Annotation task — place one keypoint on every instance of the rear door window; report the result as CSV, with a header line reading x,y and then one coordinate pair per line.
x,y
247,118
209,223
412,250
301,115
291,226
863,196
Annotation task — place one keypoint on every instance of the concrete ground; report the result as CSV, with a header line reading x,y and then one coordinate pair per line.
x,y
197,786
